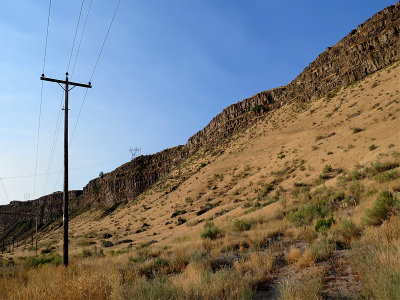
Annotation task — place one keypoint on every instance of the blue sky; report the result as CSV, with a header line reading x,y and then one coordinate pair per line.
x,y
167,69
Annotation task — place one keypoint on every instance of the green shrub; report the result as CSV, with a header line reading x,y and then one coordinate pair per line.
x,y
386,204
241,225
327,169
387,176
308,211
372,147
32,261
257,108
323,225
380,167
318,204
210,231
357,130
355,175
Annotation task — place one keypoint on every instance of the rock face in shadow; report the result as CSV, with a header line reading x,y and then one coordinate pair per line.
x,y
370,47
46,209
133,178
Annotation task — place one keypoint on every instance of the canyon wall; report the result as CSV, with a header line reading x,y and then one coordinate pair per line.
x,y
133,178
46,209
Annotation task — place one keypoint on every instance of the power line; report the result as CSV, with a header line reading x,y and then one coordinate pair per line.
x,y
47,34
73,68
76,31
5,192
91,76
56,131
41,98
80,41
108,31
94,69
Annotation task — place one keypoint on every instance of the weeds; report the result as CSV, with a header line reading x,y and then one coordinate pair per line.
x,y
241,225
323,225
34,262
385,205
387,176
211,231
309,286
376,259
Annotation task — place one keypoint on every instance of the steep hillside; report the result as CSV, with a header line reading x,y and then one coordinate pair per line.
x,y
292,193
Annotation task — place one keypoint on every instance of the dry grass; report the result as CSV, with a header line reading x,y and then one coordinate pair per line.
x,y
79,281
376,259
307,259
293,255
308,286
259,265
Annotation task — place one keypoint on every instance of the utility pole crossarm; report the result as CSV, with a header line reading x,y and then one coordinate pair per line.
x,y
89,85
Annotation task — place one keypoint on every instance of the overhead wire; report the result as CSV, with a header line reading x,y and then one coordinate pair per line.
x,y
80,41
53,147
105,39
73,68
41,98
4,188
76,31
91,77
94,69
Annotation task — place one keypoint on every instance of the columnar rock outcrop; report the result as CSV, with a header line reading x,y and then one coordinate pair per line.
x,y
370,47
46,209
133,178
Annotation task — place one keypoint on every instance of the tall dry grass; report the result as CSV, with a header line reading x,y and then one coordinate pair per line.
x,y
308,286
376,260
92,280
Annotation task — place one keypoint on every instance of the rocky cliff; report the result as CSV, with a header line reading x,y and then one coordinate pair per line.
x,y
17,214
133,178
366,49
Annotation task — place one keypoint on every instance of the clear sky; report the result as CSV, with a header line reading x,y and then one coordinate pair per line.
x,y
168,67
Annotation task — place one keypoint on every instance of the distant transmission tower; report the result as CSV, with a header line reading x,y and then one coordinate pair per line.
x,y
27,197
135,152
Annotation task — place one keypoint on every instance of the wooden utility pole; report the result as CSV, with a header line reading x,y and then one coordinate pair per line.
x,y
36,236
67,83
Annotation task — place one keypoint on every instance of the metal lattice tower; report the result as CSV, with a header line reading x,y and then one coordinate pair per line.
x,y
135,152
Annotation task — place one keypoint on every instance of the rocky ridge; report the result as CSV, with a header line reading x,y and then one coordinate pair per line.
x,y
370,47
